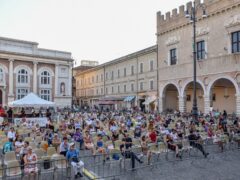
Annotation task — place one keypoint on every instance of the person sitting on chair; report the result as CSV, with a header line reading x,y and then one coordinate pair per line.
x,y
194,142
73,157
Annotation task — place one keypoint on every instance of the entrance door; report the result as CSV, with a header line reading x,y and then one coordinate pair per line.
x,y
1,97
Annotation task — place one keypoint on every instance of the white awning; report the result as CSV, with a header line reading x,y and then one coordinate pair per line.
x,y
149,100
31,100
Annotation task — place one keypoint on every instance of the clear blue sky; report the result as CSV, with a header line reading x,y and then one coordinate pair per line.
x,y
99,30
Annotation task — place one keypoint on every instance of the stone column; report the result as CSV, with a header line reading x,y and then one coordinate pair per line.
x,y
206,104
238,104
56,79
35,77
160,104
70,76
10,76
182,104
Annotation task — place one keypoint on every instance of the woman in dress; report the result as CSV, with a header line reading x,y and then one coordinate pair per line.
x,y
88,143
30,160
145,149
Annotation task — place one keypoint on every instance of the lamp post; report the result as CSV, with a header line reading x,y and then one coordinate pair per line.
x,y
193,18
72,85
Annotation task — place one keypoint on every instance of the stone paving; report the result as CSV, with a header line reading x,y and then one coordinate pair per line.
x,y
224,166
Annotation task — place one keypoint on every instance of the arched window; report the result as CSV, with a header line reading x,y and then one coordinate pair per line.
x,y
45,77
1,75
22,76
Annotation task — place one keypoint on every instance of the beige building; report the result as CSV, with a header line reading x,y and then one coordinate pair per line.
x,y
25,68
218,54
124,82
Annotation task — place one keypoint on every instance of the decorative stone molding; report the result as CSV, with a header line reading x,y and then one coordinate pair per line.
x,y
202,31
172,40
233,21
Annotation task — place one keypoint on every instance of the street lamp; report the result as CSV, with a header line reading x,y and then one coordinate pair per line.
x,y
73,63
192,16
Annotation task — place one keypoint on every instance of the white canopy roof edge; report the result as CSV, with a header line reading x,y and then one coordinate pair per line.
x,y
31,100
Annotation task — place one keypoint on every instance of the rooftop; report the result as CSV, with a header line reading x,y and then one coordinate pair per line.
x,y
9,45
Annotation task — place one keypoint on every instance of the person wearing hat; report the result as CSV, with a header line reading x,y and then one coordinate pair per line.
x,y
30,160
73,156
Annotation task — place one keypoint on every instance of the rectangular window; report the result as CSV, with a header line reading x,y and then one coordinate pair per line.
x,y
112,89
118,89
173,56
141,86
118,73
132,70
151,85
102,77
45,94
22,92
125,88
132,87
101,90
200,50
106,76
97,91
93,79
97,78
236,42
151,65
106,90
125,72
112,75
141,68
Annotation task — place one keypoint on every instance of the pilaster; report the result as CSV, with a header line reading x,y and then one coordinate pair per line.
x,y
206,104
238,104
10,75
35,77
182,104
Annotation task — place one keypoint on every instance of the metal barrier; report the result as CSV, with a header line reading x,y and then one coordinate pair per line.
x,y
111,165
114,169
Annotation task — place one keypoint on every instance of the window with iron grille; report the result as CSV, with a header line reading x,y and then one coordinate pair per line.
x,y
200,50
236,42
173,56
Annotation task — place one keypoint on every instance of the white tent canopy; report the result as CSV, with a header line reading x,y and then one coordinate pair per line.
x,y
31,100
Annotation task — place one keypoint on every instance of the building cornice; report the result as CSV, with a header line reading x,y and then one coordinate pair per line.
x,y
29,57
121,59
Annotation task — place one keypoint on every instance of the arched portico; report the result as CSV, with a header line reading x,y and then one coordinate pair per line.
x,y
187,95
223,94
169,97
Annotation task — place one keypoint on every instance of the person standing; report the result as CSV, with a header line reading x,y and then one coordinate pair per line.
x,y
10,115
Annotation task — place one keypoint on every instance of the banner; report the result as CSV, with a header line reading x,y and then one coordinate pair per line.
x,y
41,121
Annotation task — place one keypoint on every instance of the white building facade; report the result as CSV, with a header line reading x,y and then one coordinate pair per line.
x,y
25,68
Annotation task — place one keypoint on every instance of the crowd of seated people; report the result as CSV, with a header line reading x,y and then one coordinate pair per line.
x,y
103,132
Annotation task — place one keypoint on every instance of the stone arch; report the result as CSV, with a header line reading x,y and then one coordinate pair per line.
x,y
5,69
223,77
186,83
40,70
169,96
17,68
3,72
166,85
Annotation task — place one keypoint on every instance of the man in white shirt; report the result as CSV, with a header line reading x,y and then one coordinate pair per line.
x,y
11,134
